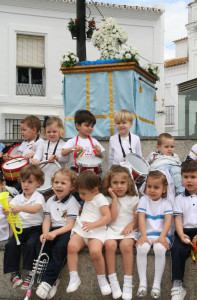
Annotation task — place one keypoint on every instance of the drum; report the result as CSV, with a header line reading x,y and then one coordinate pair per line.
x,y
140,167
92,163
13,150
12,167
49,169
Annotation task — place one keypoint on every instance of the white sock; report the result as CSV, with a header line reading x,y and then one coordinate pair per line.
x,y
114,282
142,252
102,281
73,276
127,286
160,261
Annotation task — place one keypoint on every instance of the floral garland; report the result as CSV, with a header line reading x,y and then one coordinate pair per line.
x,y
152,69
69,59
129,53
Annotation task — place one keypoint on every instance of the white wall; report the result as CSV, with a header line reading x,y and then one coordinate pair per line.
x,y
181,48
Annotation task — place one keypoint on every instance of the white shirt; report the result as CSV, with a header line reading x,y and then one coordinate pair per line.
x,y
27,219
193,155
60,211
85,143
43,150
125,216
155,212
115,151
156,159
91,213
186,207
29,147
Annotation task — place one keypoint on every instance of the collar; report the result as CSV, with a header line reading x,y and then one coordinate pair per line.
x,y
37,138
64,199
187,193
164,154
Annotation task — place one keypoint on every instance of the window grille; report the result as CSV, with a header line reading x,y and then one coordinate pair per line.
x,y
30,67
169,115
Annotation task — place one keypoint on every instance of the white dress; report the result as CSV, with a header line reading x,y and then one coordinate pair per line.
x,y
125,216
91,213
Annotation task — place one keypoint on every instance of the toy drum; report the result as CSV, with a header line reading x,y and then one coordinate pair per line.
x,y
49,169
92,163
140,167
13,150
12,167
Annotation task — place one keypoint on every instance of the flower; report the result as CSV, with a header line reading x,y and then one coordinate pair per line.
x,y
91,25
152,69
130,53
69,59
73,25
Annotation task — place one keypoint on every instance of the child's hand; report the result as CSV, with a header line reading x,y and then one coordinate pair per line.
x,y
97,148
162,240
35,162
142,240
194,241
185,238
87,226
128,229
5,156
1,154
51,235
52,158
5,212
16,209
43,237
28,156
112,194
78,148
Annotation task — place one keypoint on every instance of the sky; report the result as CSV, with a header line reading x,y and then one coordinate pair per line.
x,y
176,17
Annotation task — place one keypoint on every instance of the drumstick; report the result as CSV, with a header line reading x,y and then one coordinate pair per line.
x,y
193,152
13,162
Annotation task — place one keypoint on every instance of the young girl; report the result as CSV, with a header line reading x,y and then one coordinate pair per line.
x,y
50,149
30,206
61,212
124,142
89,230
123,200
155,216
4,227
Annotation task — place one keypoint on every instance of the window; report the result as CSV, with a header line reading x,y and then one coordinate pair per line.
x,y
30,68
12,129
169,115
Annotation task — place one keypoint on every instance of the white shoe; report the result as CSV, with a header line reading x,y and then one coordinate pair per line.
x,y
105,289
155,293
116,292
72,287
142,291
178,293
53,290
127,292
43,290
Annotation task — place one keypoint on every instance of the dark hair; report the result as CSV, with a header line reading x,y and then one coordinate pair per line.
x,y
32,122
156,174
163,136
2,179
29,170
131,191
82,116
189,166
88,180
67,172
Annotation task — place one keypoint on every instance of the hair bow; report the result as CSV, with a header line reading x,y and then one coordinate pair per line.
x,y
45,121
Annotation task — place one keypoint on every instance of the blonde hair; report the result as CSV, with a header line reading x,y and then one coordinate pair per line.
x,y
163,136
67,172
123,115
119,170
54,120
156,174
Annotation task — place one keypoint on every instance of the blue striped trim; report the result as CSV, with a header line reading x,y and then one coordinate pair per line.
x,y
177,214
157,234
140,208
71,217
168,211
158,217
47,214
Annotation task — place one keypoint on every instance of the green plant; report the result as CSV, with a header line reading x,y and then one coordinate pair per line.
x,y
73,24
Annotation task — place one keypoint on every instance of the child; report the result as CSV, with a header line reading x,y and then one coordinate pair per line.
x,y
61,212
185,212
165,157
83,144
89,230
30,127
123,200
124,142
155,216
193,152
50,149
29,205
4,227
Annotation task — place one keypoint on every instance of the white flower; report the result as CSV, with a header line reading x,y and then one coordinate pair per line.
x,y
128,56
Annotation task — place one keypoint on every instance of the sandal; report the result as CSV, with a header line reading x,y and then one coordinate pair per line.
x,y
142,291
155,293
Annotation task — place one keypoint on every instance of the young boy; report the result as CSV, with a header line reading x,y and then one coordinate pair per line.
x,y
30,206
165,157
30,127
185,212
124,142
83,144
